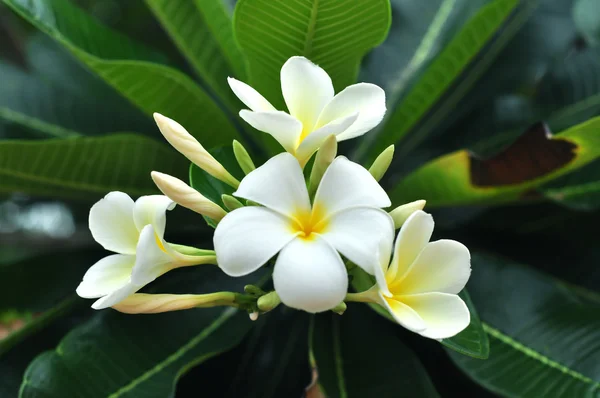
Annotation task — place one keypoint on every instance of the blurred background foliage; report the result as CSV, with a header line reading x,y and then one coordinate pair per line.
x,y
468,83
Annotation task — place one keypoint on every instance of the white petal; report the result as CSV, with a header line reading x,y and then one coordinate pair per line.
x,y
284,128
153,257
309,275
152,210
403,314
365,98
306,88
314,140
347,184
106,276
249,96
443,266
361,234
115,297
412,238
278,184
445,315
248,237
111,223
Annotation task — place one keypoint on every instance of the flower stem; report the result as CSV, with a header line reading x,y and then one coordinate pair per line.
x,y
368,296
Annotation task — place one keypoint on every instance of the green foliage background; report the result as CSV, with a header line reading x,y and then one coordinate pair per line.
x,y
470,85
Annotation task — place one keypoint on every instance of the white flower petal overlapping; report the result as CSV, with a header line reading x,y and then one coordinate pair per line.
x,y
345,217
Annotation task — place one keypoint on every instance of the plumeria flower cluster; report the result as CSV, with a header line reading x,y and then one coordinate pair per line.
x,y
309,230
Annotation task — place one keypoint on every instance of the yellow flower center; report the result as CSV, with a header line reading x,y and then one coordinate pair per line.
x,y
159,243
308,224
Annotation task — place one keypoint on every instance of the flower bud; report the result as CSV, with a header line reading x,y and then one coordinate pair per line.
x,y
401,213
242,157
189,147
187,196
142,303
230,202
381,164
340,308
324,157
268,302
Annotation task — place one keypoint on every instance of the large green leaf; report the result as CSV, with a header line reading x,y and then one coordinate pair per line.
x,y
447,80
335,34
29,100
85,167
359,355
129,68
272,361
202,30
544,334
121,355
459,178
472,341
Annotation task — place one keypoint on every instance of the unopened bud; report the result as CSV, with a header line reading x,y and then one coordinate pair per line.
x,y
401,213
340,308
188,197
142,303
324,157
254,290
253,316
382,163
189,147
242,157
230,202
268,302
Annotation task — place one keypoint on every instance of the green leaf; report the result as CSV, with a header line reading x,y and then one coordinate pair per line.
x,y
472,341
203,32
332,33
121,355
31,101
359,355
82,168
445,81
543,333
459,178
125,65
271,362
579,190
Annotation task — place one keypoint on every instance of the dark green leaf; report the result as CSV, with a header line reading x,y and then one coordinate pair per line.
x,y
129,68
359,355
543,333
272,361
85,167
202,30
122,355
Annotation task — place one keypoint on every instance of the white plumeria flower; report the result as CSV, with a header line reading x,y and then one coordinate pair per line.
x,y
135,231
314,112
345,216
420,286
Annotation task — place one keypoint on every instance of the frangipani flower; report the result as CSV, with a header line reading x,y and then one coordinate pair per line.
x,y
421,285
314,112
135,231
345,217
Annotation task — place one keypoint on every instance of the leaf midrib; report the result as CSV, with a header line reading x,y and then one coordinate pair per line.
x,y
228,313
543,359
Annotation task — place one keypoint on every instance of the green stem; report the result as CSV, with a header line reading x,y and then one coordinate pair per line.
x,y
368,296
